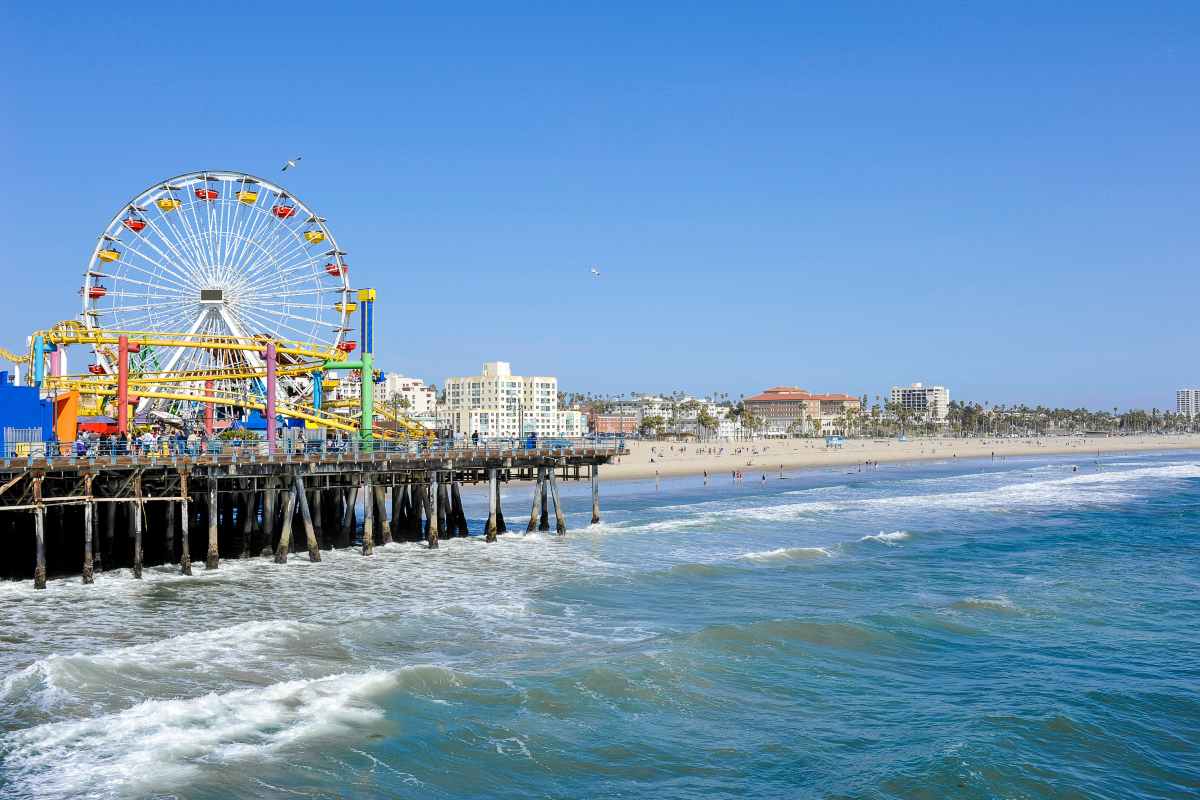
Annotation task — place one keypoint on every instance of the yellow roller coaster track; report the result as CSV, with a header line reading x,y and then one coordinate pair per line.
x,y
148,384
410,427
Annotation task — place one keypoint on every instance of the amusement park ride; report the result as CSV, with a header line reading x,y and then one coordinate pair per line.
x,y
209,295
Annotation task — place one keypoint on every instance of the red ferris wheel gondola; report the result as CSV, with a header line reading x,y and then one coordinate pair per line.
x,y
134,224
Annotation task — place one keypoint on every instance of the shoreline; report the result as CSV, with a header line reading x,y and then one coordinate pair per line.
x,y
672,460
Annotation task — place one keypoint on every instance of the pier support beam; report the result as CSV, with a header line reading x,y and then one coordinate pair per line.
x,y
285,530
538,488
398,520
489,530
443,510
185,546
595,493
212,558
547,476
368,540
385,526
560,523
246,515
89,516
310,534
432,535
500,526
110,530
268,520
136,513
169,533
318,519
459,521
39,532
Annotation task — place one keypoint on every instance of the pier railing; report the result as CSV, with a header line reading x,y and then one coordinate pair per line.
x,y
217,450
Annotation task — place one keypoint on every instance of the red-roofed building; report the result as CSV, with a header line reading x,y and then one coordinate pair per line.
x,y
790,409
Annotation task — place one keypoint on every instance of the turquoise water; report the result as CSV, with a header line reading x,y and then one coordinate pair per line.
x,y
968,630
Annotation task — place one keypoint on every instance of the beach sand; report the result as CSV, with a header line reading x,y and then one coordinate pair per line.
x,y
753,458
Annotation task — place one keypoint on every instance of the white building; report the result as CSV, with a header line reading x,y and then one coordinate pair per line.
x,y
498,404
1187,402
422,399
930,403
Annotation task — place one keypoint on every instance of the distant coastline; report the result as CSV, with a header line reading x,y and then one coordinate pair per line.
x,y
767,456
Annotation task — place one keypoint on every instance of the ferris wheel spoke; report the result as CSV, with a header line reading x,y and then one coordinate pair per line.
x,y
161,266
262,318
185,257
272,249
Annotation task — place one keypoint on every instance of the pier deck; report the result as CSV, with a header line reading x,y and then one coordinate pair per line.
x,y
80,515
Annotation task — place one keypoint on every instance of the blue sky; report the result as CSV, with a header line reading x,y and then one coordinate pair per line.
x,y
836,196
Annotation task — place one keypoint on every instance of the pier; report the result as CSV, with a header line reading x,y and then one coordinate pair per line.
x,y
80,515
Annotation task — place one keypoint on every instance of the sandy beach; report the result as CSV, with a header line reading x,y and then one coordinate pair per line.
x,y
666,459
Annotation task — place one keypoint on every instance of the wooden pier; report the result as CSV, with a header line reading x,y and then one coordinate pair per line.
x,y
80,516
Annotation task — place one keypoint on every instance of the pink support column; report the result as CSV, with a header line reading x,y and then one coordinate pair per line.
x,y
122,385
209,409
270,358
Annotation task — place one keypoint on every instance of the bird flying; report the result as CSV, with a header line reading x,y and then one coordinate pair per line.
x,y
290,164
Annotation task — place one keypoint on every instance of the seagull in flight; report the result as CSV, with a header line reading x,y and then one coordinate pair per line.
x,y
595,272
290,164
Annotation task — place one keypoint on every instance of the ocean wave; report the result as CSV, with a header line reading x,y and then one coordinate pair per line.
x,y
887,538
999,604
787,554
162,744
58,680
747,637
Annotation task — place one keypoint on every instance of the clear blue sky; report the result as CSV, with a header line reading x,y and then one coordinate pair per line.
x,y
836,196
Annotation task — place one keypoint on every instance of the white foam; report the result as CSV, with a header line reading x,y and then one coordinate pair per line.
x,y
58,679
161,744
787,554
887,538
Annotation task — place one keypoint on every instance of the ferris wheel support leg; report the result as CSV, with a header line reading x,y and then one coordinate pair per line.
x,y
122,385
270,359
209,409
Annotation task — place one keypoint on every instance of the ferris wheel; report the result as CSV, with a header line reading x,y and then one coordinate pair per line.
x,y
218,253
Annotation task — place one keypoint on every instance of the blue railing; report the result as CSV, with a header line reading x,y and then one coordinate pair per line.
x,y
147,450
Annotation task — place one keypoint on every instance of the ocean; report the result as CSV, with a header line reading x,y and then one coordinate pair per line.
x,y
1028,628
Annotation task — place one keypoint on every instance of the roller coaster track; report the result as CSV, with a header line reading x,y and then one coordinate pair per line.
x,y
410,427
305,359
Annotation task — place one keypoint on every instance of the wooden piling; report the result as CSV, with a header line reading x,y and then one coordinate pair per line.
x,y
595,493
310,534
489,529
432,535
89,515
285,529
39,532
560,522
247,515
110,530
136,514
538,488
459,524
168,533
397,525
443,510
500,526
368,540
385,525
185,547
547,476
268,520
318,518
212,558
